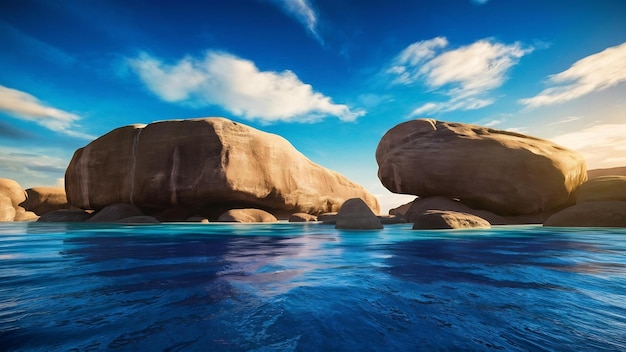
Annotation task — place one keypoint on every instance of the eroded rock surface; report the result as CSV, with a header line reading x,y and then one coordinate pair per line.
x,y
438,219
356,215
204,162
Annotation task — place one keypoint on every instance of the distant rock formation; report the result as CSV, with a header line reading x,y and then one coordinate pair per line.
x,y
602,188
613,171
204,162
503,172
438,219
302,217
41,200
591,214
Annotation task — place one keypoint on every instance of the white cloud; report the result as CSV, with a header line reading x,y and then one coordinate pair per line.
x,y
302,11
480,2
238,86
464,74
593,73
27,107
601,145
564,120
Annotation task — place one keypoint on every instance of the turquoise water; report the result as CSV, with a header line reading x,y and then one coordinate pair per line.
x,y
309,287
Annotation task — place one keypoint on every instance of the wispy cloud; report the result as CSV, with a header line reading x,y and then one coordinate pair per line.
x,y
27,107
480,2
593,73
30,169
302,11
564,120
19,41
238,86
602,145
465,74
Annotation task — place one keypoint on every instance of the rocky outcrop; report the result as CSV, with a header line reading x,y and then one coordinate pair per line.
x,y
302,217
356,215
247,215
401,210
115,212
591,214
602,188
613,171
11,196
65,215
503,172
41,200
437,219
203,162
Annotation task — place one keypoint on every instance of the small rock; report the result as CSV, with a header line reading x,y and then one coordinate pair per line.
x,y
328,218
65,215
41,200
247,215
200,219
356,215
302,217
437,219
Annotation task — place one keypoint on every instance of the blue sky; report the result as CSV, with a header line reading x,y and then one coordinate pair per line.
x,y
331,76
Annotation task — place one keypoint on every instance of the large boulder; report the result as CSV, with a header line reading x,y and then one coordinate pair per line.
x,y
204,162
438,220
602,188
41,200
591,214
356,215
500,171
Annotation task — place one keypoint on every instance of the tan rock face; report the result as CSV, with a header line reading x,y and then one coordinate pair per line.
x,y
438,219
247,215
614,171
11,196
499,171
203,162
41,200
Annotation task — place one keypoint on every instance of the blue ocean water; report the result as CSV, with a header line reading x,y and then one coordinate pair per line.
x,y
309,287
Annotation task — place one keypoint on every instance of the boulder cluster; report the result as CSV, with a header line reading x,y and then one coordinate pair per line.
x,y
471,176
213,169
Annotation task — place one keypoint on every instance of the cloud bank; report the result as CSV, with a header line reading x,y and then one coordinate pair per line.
x,y
302,11
465,74
593,73
239,87
27,107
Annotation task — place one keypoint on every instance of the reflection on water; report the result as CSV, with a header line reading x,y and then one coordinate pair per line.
x,y
310,287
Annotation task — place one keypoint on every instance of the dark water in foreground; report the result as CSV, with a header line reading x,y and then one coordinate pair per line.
x,y
309,287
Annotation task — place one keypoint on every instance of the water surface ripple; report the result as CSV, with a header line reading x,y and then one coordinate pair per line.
x,y
309,287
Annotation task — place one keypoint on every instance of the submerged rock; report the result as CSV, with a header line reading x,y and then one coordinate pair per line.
x,y
115,212
356,215
247,215
203,162
503,172
65,215
591,214
437,219
138,219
